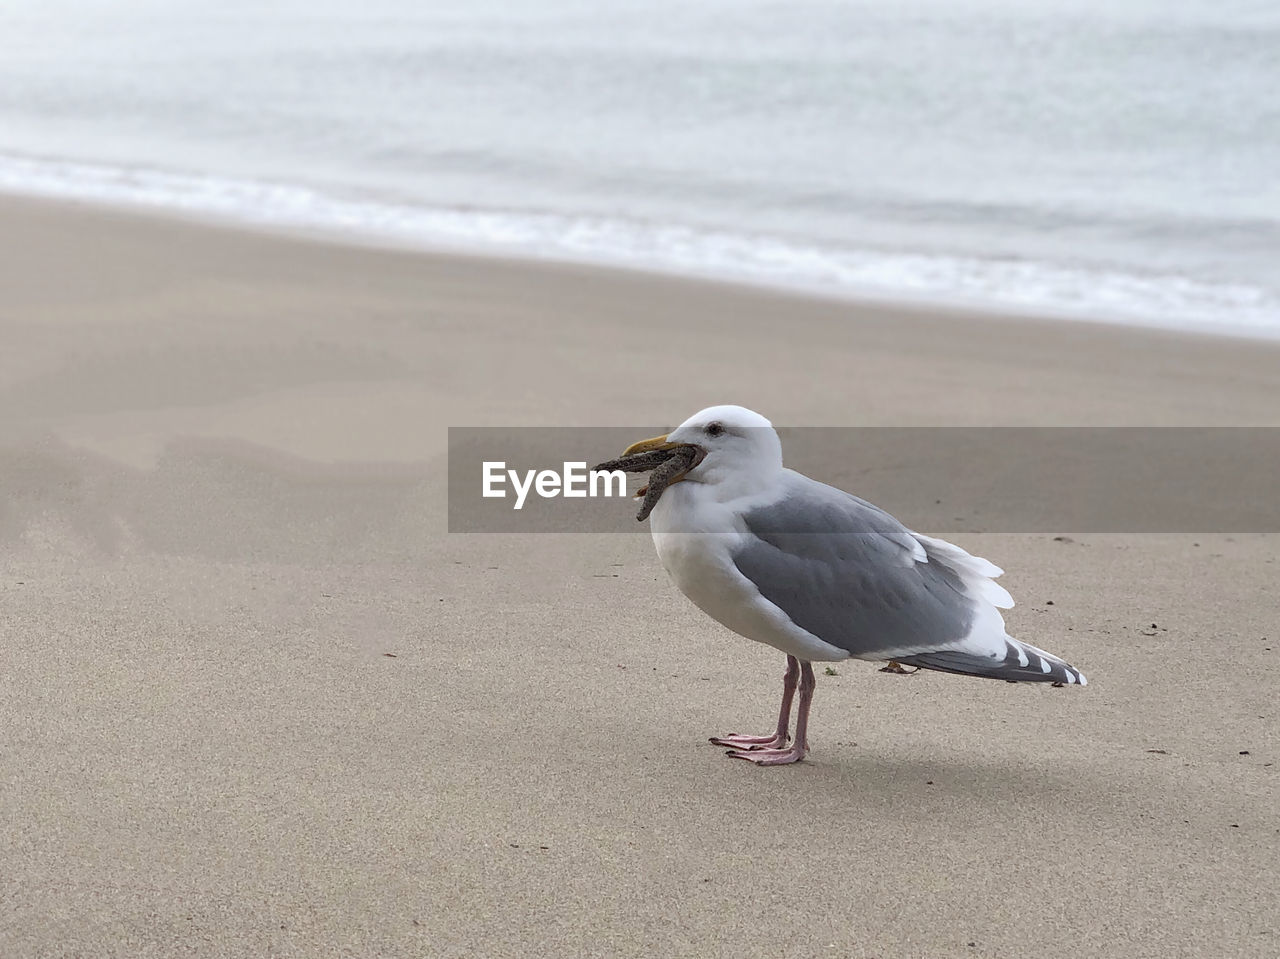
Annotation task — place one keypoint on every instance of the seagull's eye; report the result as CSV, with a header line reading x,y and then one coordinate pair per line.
x,y
714,429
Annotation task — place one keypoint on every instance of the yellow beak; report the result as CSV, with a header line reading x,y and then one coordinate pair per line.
x,y
645,446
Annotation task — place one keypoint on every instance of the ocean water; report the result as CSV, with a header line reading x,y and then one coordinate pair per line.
x,y
1109,160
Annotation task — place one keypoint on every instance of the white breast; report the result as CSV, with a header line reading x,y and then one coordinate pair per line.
x,y
696,537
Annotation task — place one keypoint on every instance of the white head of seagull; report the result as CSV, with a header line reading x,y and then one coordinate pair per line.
x,y
733,439
821,574
738,449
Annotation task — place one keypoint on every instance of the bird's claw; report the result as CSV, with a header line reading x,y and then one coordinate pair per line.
x,y
769,757
738,741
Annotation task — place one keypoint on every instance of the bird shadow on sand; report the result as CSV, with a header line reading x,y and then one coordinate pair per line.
x,y
837,774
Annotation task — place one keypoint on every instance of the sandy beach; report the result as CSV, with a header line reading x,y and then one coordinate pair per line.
x,y
257,701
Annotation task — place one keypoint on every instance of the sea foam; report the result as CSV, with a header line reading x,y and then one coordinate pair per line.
x,y
1154,299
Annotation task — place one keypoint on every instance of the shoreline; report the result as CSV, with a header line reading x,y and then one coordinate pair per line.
x,y
1184,374
392,239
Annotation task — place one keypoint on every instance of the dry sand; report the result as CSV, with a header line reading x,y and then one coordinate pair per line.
x,y
256,701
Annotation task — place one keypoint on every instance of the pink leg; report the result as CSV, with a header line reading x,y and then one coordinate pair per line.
x,y
778,756
783,732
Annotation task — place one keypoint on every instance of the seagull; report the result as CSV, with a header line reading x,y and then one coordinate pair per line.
x,y
821,575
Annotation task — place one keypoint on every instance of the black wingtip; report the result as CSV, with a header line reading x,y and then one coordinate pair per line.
x,y
1020,664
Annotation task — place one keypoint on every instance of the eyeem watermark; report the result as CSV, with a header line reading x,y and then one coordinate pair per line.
x,y
940,480
573,481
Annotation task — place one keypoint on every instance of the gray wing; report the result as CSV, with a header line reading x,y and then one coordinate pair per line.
x,y
851,574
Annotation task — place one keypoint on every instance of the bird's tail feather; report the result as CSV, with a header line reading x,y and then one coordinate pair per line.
x,y
1017,663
